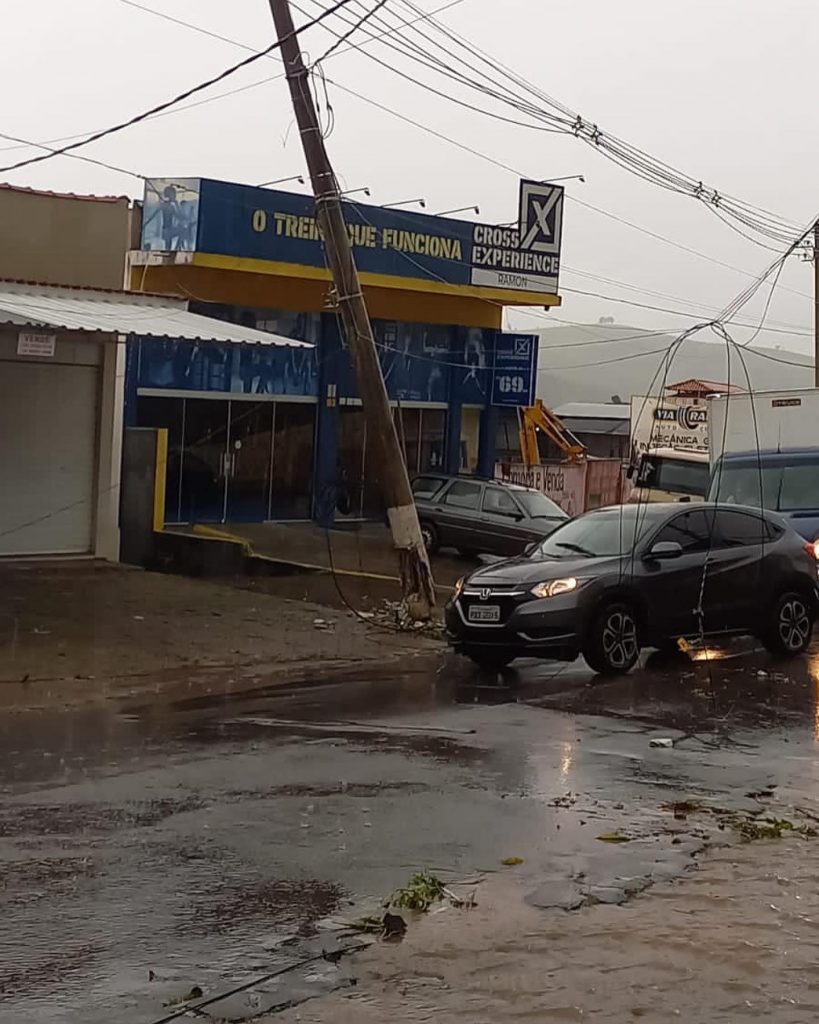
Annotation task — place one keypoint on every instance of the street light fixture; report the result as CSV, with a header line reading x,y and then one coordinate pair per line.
x,y
405,202
280,181
568,177
461,209
353,191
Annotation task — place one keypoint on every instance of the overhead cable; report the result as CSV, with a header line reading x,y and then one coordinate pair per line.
x,y
137,118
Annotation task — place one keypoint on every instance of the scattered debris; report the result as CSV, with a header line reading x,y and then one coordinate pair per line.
x,y
751,827
393,926
369,924
682,808
195,993
569,800
748,825
512,862
613,837
663,742
396,615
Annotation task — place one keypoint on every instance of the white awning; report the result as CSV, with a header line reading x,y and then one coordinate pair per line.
x,y
97,311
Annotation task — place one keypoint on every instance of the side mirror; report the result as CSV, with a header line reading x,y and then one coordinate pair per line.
x,y
685,497
665,549
530,549
630,471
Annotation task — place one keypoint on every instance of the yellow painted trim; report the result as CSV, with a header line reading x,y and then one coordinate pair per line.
x,y
215,534
326,570
501,296
160,475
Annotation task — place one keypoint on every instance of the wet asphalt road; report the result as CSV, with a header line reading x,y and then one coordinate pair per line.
x,y
147,849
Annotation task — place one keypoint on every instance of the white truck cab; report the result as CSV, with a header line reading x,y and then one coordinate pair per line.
x,y
670,474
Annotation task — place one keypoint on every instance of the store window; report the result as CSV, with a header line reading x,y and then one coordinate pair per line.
x,y
234,460
422,435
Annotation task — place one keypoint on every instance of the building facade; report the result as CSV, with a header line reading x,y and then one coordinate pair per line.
x,y
260,435
62,238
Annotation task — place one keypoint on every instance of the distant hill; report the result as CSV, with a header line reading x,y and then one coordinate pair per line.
x,y
595,362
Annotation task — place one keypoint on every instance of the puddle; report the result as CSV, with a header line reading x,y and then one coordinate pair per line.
x,y
295,904
74,819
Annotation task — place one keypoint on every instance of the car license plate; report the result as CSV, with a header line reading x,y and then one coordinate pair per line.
x,y
484,613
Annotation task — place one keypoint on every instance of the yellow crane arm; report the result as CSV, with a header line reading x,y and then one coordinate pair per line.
x,y
539,417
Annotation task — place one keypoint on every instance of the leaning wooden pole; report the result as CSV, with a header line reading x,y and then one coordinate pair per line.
x,y
413,562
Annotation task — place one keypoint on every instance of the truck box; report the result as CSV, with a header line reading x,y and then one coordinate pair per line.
x,y
768,420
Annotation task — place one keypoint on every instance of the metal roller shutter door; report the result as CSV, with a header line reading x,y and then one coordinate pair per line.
x,y
48,440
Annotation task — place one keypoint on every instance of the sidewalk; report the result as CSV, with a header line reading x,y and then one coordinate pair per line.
x,y
356,549
77,632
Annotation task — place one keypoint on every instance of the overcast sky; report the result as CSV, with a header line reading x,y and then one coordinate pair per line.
x,y
721,89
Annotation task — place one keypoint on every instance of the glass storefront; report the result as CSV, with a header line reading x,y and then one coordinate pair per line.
x,y
422,435
235,460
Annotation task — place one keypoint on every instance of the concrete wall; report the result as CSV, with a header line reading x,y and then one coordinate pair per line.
x,y
109,460
137,499
60,239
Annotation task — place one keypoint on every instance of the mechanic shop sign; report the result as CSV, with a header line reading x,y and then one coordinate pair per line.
x,y
668,423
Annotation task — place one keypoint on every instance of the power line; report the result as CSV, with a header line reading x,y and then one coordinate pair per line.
x,y
222,95
334,48
664,309
631,158
176,99
365,17
424,16
76,156
572,198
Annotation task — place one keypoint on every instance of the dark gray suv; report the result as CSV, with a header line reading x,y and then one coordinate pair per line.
x,y
631,576
482,516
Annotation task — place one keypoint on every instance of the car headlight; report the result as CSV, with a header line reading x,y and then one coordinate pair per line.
x,y
551,588
459,587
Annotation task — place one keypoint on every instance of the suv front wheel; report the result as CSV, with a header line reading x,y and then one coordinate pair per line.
x,y
789,626
612,644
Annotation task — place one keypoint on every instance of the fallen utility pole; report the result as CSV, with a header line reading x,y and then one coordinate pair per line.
x,y
414,569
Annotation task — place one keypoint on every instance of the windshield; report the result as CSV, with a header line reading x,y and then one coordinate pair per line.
x,y
680,476
612,531
782,488
537,504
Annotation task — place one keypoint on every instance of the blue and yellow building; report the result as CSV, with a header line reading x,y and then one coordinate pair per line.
x,y
258,432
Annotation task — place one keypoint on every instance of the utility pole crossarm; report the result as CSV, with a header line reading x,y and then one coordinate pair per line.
x,y
414,569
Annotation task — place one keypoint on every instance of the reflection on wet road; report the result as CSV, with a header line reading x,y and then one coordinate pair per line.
x,y
149,848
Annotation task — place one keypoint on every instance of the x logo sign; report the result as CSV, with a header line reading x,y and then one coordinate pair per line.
x,y
540,228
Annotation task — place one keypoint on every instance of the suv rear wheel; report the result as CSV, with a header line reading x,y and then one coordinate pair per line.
x,y
612,644
789,626
430,537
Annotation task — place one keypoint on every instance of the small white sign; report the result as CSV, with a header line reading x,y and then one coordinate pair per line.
x,y
44,345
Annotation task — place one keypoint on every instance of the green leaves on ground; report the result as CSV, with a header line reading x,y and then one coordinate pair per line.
x,y
423,890
750,826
